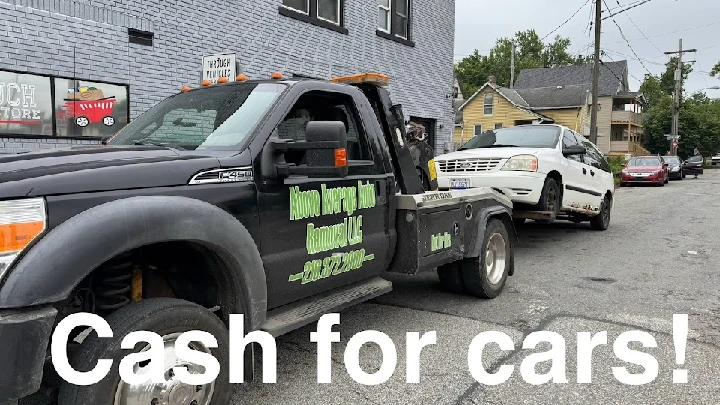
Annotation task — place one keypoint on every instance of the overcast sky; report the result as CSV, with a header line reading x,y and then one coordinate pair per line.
x,y
480,22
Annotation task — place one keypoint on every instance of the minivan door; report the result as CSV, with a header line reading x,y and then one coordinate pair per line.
x,y
578,191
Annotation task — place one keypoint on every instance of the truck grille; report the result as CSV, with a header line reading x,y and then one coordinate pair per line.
x,y
467,165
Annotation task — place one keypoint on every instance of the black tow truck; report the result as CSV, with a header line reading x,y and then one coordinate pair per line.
x,y
281,200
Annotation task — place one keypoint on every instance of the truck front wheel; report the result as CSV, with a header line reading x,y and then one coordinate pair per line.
x,y
485,276
168,318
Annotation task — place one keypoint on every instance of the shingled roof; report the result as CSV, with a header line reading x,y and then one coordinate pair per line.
x,y
609,83
555,97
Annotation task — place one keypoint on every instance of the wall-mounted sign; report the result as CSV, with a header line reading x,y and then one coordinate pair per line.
x,y
219,65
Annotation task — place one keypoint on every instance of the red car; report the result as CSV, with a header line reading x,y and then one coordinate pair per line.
x,y
645,169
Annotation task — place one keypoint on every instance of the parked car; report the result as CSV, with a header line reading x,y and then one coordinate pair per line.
x,y
716,159
548,171
693,166
674,168
645,169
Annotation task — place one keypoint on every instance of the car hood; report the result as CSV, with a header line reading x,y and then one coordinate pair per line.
x,y
98,168
644,169
498,153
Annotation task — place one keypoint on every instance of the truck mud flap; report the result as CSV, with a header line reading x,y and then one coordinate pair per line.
x,y
437,228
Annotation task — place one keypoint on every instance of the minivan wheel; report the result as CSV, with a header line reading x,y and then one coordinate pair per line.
x,y
601,221
169,318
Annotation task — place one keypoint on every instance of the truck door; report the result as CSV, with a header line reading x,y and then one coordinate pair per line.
x,y
323,233
578,190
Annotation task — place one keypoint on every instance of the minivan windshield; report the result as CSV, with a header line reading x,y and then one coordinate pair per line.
x,y
647,161
215,117
535,136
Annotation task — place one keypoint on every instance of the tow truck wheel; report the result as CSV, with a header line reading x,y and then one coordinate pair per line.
x,y
168,317
485,276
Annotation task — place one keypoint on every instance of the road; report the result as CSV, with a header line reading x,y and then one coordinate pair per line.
x,y
656,260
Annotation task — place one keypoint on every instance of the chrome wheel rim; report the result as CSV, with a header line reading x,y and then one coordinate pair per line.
x,y
172,392
495,258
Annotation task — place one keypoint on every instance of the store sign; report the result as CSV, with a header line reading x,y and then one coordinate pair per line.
x,y
18,104
219,65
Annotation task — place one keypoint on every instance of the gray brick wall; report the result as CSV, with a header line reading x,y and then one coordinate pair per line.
x,y
88,40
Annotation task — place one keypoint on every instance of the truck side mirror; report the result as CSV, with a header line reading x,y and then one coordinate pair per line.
x,y
325,152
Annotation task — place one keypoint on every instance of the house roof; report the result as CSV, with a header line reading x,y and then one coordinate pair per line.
x,y
545,98
609,83
458,112
510,95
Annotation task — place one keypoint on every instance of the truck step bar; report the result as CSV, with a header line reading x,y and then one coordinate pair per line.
x,y
304,312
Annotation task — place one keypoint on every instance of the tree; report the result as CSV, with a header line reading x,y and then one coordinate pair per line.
x,y
699,116
716,70
530,52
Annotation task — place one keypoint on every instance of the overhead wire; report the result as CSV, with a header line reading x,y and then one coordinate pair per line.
x,y
626,9
566,21
639,30
627,42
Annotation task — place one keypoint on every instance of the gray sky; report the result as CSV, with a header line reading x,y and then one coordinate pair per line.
x,y
480,22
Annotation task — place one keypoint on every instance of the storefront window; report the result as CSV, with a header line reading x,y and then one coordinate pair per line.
x,y
35,105
91,109
25,104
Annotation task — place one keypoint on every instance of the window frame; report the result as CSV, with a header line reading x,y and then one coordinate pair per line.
x,y
54,110
475,127
388,20
491,105
498,127
391,33
312,16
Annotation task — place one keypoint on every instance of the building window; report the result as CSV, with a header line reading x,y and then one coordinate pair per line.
x,y
488,104
394,20
37,105
302,6
322,13
498,126
478,130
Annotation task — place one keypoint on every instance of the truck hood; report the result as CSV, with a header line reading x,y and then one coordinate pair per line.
x,y
98,168
497,153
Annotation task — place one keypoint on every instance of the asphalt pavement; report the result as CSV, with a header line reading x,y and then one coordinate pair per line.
x,y
656,259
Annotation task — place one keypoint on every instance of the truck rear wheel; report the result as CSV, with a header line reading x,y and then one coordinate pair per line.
x,y
485,276
168,318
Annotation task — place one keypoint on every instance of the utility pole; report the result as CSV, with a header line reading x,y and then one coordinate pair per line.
x,y
678,90
512,65
596,73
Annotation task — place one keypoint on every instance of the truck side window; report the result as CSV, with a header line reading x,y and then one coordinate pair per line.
x,y
320,106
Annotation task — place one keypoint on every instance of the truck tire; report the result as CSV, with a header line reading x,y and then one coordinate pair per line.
x,y
167,317
485,276
450,278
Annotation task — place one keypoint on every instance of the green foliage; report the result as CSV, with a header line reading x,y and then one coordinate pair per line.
x,y
616,163
530,52
715,70
699,116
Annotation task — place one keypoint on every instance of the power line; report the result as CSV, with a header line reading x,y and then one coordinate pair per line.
x,y
626,41
670,33
639,30
566,21
626,9
612,60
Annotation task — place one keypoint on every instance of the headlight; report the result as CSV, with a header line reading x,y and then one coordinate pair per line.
x,y
21,221
676,168
523,163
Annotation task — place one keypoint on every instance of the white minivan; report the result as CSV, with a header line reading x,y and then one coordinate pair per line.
x,y
541,167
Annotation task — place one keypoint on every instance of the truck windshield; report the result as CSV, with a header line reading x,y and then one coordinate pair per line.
x,y
523,137
214,117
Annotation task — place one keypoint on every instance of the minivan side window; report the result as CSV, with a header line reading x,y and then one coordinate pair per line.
x,y
569,140
594,157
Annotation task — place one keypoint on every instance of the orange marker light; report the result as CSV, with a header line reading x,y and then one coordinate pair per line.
x,y
206,83
374,78
14,237
223,80
277,76
241,78
185,89
340,157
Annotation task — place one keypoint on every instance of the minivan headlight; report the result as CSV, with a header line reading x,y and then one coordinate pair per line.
x,y
523,163
21,221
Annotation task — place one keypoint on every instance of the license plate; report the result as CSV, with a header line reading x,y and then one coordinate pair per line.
x,y
459,183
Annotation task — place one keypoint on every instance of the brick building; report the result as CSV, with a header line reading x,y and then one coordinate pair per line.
x,y
73,71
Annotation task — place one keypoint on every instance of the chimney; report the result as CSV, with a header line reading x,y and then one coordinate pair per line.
x,y
492,79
